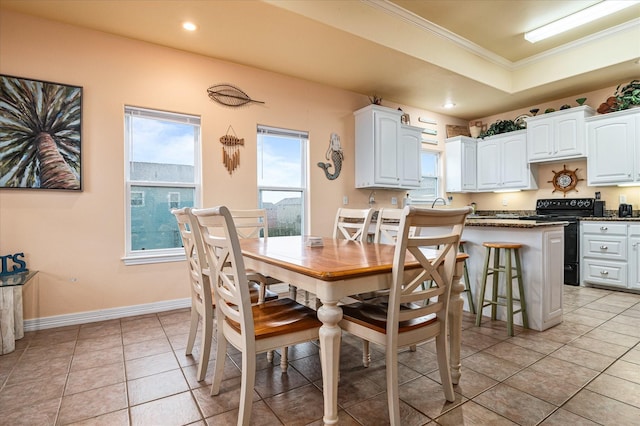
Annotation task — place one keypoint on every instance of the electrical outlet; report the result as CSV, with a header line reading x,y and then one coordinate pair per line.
x,y
345,200
73,280
623,199
394,201
504,202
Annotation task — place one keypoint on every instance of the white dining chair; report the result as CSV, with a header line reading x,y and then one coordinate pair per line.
x,y
387,226
202,300
201,297
352,224
403,319
251,329
252,223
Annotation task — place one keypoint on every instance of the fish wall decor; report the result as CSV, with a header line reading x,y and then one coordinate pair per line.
x,y
229,95
231,150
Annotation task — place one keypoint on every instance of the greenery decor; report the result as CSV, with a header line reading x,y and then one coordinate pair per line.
x,y
501,126
627,95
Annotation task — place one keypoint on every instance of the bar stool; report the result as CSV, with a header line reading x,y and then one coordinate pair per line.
x,y
467,287
508,248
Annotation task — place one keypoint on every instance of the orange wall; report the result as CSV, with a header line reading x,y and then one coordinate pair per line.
x,y
76,239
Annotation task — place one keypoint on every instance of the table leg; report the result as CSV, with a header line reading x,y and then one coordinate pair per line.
x,y
7,324
455,322
330,333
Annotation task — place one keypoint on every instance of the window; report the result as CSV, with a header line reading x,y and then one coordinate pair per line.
x,y
430,177
282,179
162,165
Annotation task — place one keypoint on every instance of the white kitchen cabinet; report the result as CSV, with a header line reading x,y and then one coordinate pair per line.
x,y
461,164
607,251
387,152
634,257
502,162
558,135
613,152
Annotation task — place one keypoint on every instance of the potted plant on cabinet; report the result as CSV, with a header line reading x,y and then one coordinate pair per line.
x,y
627,96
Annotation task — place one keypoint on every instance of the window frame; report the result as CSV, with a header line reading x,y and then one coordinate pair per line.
x,y
417,196
303,136
138,257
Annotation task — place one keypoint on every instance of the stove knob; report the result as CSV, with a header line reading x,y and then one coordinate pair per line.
x,y
572,203
587,203
580,203
545,203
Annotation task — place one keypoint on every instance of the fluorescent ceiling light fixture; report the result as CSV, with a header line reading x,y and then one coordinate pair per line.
x,y
504,191
629,184
189,26
581,17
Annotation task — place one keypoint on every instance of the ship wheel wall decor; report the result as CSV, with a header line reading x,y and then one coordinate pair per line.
x,y
565,180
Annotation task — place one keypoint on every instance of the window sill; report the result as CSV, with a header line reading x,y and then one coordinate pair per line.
x,y
153,258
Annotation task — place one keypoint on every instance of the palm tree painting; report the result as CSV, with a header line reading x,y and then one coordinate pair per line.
x,y
40,129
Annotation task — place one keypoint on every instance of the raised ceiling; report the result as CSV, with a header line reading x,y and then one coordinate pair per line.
x,y
418,53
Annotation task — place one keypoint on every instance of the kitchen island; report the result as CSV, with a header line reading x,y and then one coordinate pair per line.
x,y
542,257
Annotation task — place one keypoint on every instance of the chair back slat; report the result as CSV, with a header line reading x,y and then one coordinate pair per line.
x,y
250,223
352,224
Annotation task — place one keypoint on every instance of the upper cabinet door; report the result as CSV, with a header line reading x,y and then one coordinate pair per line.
x,y
558,135
613,155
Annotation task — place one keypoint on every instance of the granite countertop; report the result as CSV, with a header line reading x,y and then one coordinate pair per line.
x,y
510,223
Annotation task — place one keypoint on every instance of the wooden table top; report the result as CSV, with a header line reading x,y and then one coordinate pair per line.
x,y
335,260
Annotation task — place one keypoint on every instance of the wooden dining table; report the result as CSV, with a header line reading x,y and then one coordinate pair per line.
x,y
333,271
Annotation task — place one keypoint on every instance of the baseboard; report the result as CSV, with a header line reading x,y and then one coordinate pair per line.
x,y
104,314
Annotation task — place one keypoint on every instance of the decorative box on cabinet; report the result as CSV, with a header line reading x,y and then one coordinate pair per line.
x,y
502,162
461,164
387,152
613,145
558,135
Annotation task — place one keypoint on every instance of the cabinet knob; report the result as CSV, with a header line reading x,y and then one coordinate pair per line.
x,y
634,245
605,273
603,228
604,248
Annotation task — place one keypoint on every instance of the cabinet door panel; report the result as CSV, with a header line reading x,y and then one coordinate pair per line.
x,y
514,166
569,132
634,262
488,165
611,150
605,272
539,139
386,140
410,142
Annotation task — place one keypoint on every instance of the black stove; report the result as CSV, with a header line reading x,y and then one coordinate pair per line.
x,y
566,210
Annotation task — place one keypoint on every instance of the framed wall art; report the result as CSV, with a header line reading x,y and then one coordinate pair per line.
x,y
40,134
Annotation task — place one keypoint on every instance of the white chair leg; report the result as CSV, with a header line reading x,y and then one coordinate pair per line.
x,y
193,331
393,394
218,370
284,359
269,357
442,351
246,387
207,335
366,355
306,298
293,291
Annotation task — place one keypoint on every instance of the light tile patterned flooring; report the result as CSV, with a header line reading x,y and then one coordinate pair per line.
x,y
133,371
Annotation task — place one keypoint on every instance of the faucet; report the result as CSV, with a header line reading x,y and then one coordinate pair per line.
x,y
444,202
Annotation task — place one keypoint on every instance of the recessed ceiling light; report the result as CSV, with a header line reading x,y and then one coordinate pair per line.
x,y
189,26
449,105
584,16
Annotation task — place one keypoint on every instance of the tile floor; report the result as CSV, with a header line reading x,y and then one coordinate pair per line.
x,y
133,371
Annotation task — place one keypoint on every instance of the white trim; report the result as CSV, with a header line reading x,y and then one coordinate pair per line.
x,y
104,314
144,259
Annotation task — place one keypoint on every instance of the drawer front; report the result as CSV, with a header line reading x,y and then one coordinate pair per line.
x,y
606,273
606,246
604,228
